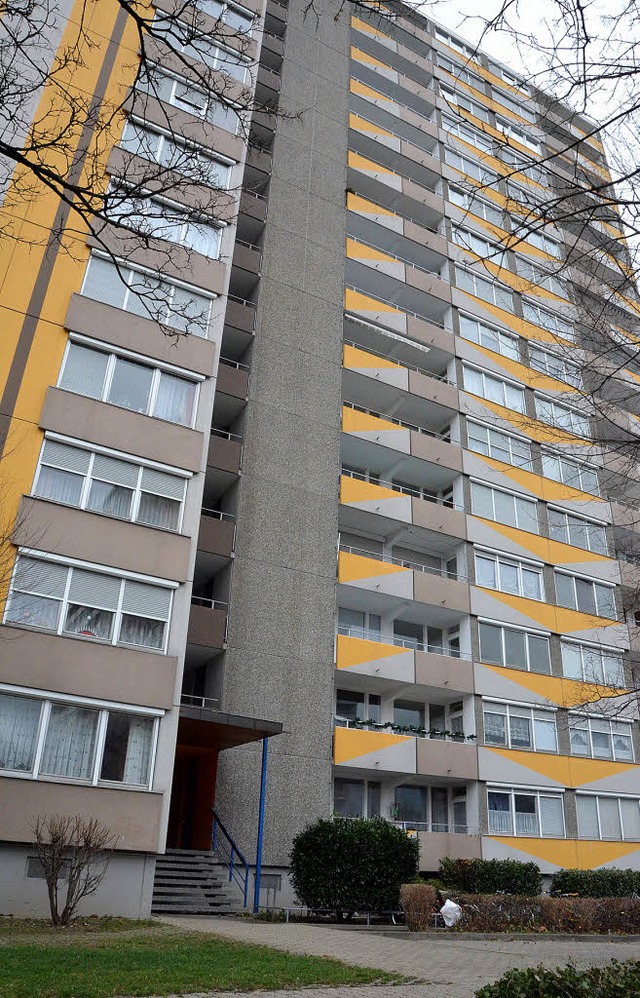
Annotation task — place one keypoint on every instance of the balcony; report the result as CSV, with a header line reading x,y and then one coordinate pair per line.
x,y
388,580
396,313
206,634
390,659
436,844
216,540
393,190
382,749
367,373
233,378
404,92
388,129
366,431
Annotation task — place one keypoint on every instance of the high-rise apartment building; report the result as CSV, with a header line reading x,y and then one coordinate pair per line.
x,y
359,510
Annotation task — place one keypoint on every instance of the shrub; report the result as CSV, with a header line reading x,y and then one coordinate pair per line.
x,y
498,913
513,913
615,980
352,864
418,903
487,876
596,883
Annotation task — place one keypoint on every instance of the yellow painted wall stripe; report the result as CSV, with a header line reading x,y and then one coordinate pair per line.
x,y
568,771
354,490
355,121
356,651
363,422
360,251
547,550
353,567
362,303
359,162
572,853
357,203
350,743
354,358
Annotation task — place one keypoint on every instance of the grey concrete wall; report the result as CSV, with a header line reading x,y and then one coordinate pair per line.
x,y
280,662
126,889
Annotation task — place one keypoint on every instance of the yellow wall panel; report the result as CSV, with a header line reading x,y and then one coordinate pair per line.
x,y
563,692
569,771
362,422
356,651
349,743
354,358
570,853
352,567
353,490
551,552
362,303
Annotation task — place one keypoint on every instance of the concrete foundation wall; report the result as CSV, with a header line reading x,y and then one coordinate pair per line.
x,y
280,659
126,889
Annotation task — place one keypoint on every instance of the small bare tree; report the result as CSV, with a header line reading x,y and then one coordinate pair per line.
x,y
73,850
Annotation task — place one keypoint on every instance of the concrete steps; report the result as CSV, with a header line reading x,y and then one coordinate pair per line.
x,y
191,882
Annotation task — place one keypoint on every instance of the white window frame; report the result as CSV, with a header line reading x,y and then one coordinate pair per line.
x,y
534,274
550,321
537,794
454,43
490,337
120,574
551,364
585,649
87,476
508,77
595,584
206,110
511,131
520,564
469,167
47,700
215,58
157,368
512,495
504,382
588,722
511,104
540,240
577,470
459,72
484,288
598,797
204,158
552,412
543,635
231,7
466,133
512,709
468,202
129,274
506,438
488,251
567,518
454,100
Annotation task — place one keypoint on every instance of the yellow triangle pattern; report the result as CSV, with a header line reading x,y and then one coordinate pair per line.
x,y
362,422
355,121
555,689
359,251
356,651
571,853
356,203
545,488
552,618
364,91
359,162
352,567
353,490
362,303
568,771
350,743
552,552
354,358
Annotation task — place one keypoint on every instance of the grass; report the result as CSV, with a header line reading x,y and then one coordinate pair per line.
x,y
101,958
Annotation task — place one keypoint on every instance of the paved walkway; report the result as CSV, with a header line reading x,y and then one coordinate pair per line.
x,y
444,966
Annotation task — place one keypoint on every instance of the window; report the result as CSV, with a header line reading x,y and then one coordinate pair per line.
x,y
585,595
460,73
351,797
183,38
543,242
601,817
504,507
487,336
509,575
454,43
108,484
140,140
541,278
359,623
554,366
572,473
183,93
481,247
548,320
518,107
593,664
481,287
523,164
75,601
498,445
468,134
465,103
155,218
476,206
525,812
550,411
513,648
519,727
495,389
509,77
46,737
577,531
410,804
601,738
518,135
354,707
128,383
147,294
470,167
235,17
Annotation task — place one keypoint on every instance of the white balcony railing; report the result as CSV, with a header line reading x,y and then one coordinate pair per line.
x,y
407,643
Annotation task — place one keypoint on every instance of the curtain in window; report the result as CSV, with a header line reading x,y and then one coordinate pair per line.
x,y
19,718
70,742
610,827
175,400
136,767
61,486
552,817
495,729
526,816
587,817
84,370
500,814
630,818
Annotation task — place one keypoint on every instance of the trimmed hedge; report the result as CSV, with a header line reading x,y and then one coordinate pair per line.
x,y
488,876
616,980
596,883
418,902
352,864
512,913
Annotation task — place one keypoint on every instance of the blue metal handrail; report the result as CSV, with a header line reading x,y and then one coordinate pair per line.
x,y
227,850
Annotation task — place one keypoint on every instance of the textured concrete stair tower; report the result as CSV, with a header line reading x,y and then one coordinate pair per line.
x,y
190,882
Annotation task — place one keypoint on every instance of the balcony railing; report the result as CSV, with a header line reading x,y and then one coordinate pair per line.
x,y
398,308
200,703
408,644
400,259
434,151
211,604
401,215
218,514
225,434
442,435
430,734
401,363
406,490
415,566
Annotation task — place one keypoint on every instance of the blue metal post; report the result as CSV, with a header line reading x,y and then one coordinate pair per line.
x,y
263,792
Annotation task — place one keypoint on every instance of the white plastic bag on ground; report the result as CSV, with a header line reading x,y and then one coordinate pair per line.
x,y
451,913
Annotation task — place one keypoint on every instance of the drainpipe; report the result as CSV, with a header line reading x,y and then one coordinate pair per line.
x,y
263,792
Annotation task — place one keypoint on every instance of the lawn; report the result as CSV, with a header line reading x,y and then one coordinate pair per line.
x,y
100,958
